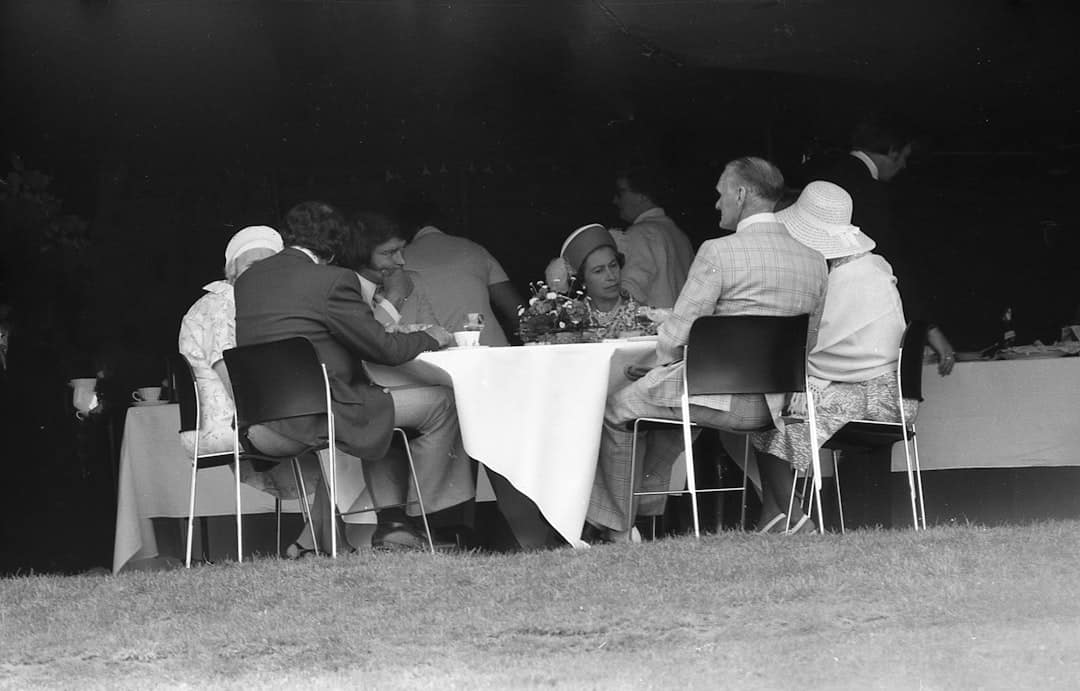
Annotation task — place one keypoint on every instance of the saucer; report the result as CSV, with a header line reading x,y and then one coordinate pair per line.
x,y
148,403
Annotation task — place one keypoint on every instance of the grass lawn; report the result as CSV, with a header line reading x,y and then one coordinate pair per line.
x,y
960,607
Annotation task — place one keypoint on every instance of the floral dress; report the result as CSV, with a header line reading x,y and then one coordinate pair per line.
x,y
206,332
620,319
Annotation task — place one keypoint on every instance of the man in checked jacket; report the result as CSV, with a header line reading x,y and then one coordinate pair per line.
x,y
758,270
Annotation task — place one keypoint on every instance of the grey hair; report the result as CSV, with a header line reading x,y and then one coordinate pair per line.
x,y
762,178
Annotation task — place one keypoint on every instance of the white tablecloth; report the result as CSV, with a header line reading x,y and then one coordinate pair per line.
x,y
999,414
533,414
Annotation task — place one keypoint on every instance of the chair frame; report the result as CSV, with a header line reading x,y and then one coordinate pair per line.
x,y
796,380
909,370
303,348
182,375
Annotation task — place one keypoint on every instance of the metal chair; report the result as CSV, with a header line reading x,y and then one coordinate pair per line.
x,y
863,435
182,380
736,355
286,379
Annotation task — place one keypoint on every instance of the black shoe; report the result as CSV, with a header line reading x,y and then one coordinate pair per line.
x,y
397,536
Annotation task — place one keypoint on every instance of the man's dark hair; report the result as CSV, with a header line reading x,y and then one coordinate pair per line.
x,y
416,213
644,180
366,231
315,226
880,136
762,177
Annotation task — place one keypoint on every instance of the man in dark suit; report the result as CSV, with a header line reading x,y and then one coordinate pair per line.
x,y
296,293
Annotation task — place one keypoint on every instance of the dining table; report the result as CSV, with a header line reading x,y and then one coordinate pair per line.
x,y
533,413
999,413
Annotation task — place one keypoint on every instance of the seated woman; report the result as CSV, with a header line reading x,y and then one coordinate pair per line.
x,y
852,367
590,255
208,330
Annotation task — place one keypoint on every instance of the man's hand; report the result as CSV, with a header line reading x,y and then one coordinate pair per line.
x,y
396,287
635,372
441,335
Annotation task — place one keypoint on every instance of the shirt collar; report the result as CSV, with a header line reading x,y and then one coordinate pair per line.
x,y
218,287
305,250
870,165
655,212
367,290
763,217
426,230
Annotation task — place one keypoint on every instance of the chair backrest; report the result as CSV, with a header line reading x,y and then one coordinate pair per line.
x,y
747,354
183,383
276,380
911,359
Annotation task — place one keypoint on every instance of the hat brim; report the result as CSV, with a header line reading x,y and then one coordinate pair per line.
x,y
832,240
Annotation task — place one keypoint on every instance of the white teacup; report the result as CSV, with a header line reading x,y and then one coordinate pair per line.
x,y
467,339
146,393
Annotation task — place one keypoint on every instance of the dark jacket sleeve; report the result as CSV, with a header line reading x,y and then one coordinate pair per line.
x,y
352,323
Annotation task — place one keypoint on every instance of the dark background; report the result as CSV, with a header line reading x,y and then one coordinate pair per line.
x,y
165,126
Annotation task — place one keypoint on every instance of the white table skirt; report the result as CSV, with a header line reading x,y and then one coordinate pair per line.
x,y
533,414
999,414
155,477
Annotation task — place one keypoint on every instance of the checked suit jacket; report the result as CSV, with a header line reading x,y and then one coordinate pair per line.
x,y
290,295
759,270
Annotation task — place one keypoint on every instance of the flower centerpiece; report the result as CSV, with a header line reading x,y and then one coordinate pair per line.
x,y
552,317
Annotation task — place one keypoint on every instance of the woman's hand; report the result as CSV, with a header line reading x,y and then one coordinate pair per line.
x,y
557,275
940,345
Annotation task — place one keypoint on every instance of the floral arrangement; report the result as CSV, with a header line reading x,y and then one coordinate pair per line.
x,y
552,317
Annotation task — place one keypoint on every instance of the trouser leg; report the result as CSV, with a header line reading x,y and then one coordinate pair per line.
x,y
442,467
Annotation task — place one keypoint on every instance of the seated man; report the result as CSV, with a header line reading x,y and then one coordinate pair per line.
x,y
297,293
760,269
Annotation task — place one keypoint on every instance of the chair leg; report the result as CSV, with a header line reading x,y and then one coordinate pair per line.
x,y
277,514
239,525
745,481
688,452
918,477
839,500
333,483
191,511
305,507
910,480
815,454
416,485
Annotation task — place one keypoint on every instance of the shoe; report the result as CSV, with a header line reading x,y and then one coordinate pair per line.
x,y
596,535
803,525
398,536
776,525
297,551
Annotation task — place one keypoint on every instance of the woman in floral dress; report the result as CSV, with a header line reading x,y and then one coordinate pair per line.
x,y
590,256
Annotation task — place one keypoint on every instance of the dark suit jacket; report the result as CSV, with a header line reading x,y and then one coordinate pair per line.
x,y
289,295
871,209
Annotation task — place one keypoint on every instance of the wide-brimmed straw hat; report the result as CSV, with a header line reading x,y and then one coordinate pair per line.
x,y
821,220
583,242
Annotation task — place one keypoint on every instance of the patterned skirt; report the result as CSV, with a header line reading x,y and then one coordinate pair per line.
x,y
836,405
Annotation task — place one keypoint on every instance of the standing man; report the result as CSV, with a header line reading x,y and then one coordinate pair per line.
x,y
658,253
458,276
759,270
296,293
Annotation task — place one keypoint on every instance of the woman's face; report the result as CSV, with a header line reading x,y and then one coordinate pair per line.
x,y
601,274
